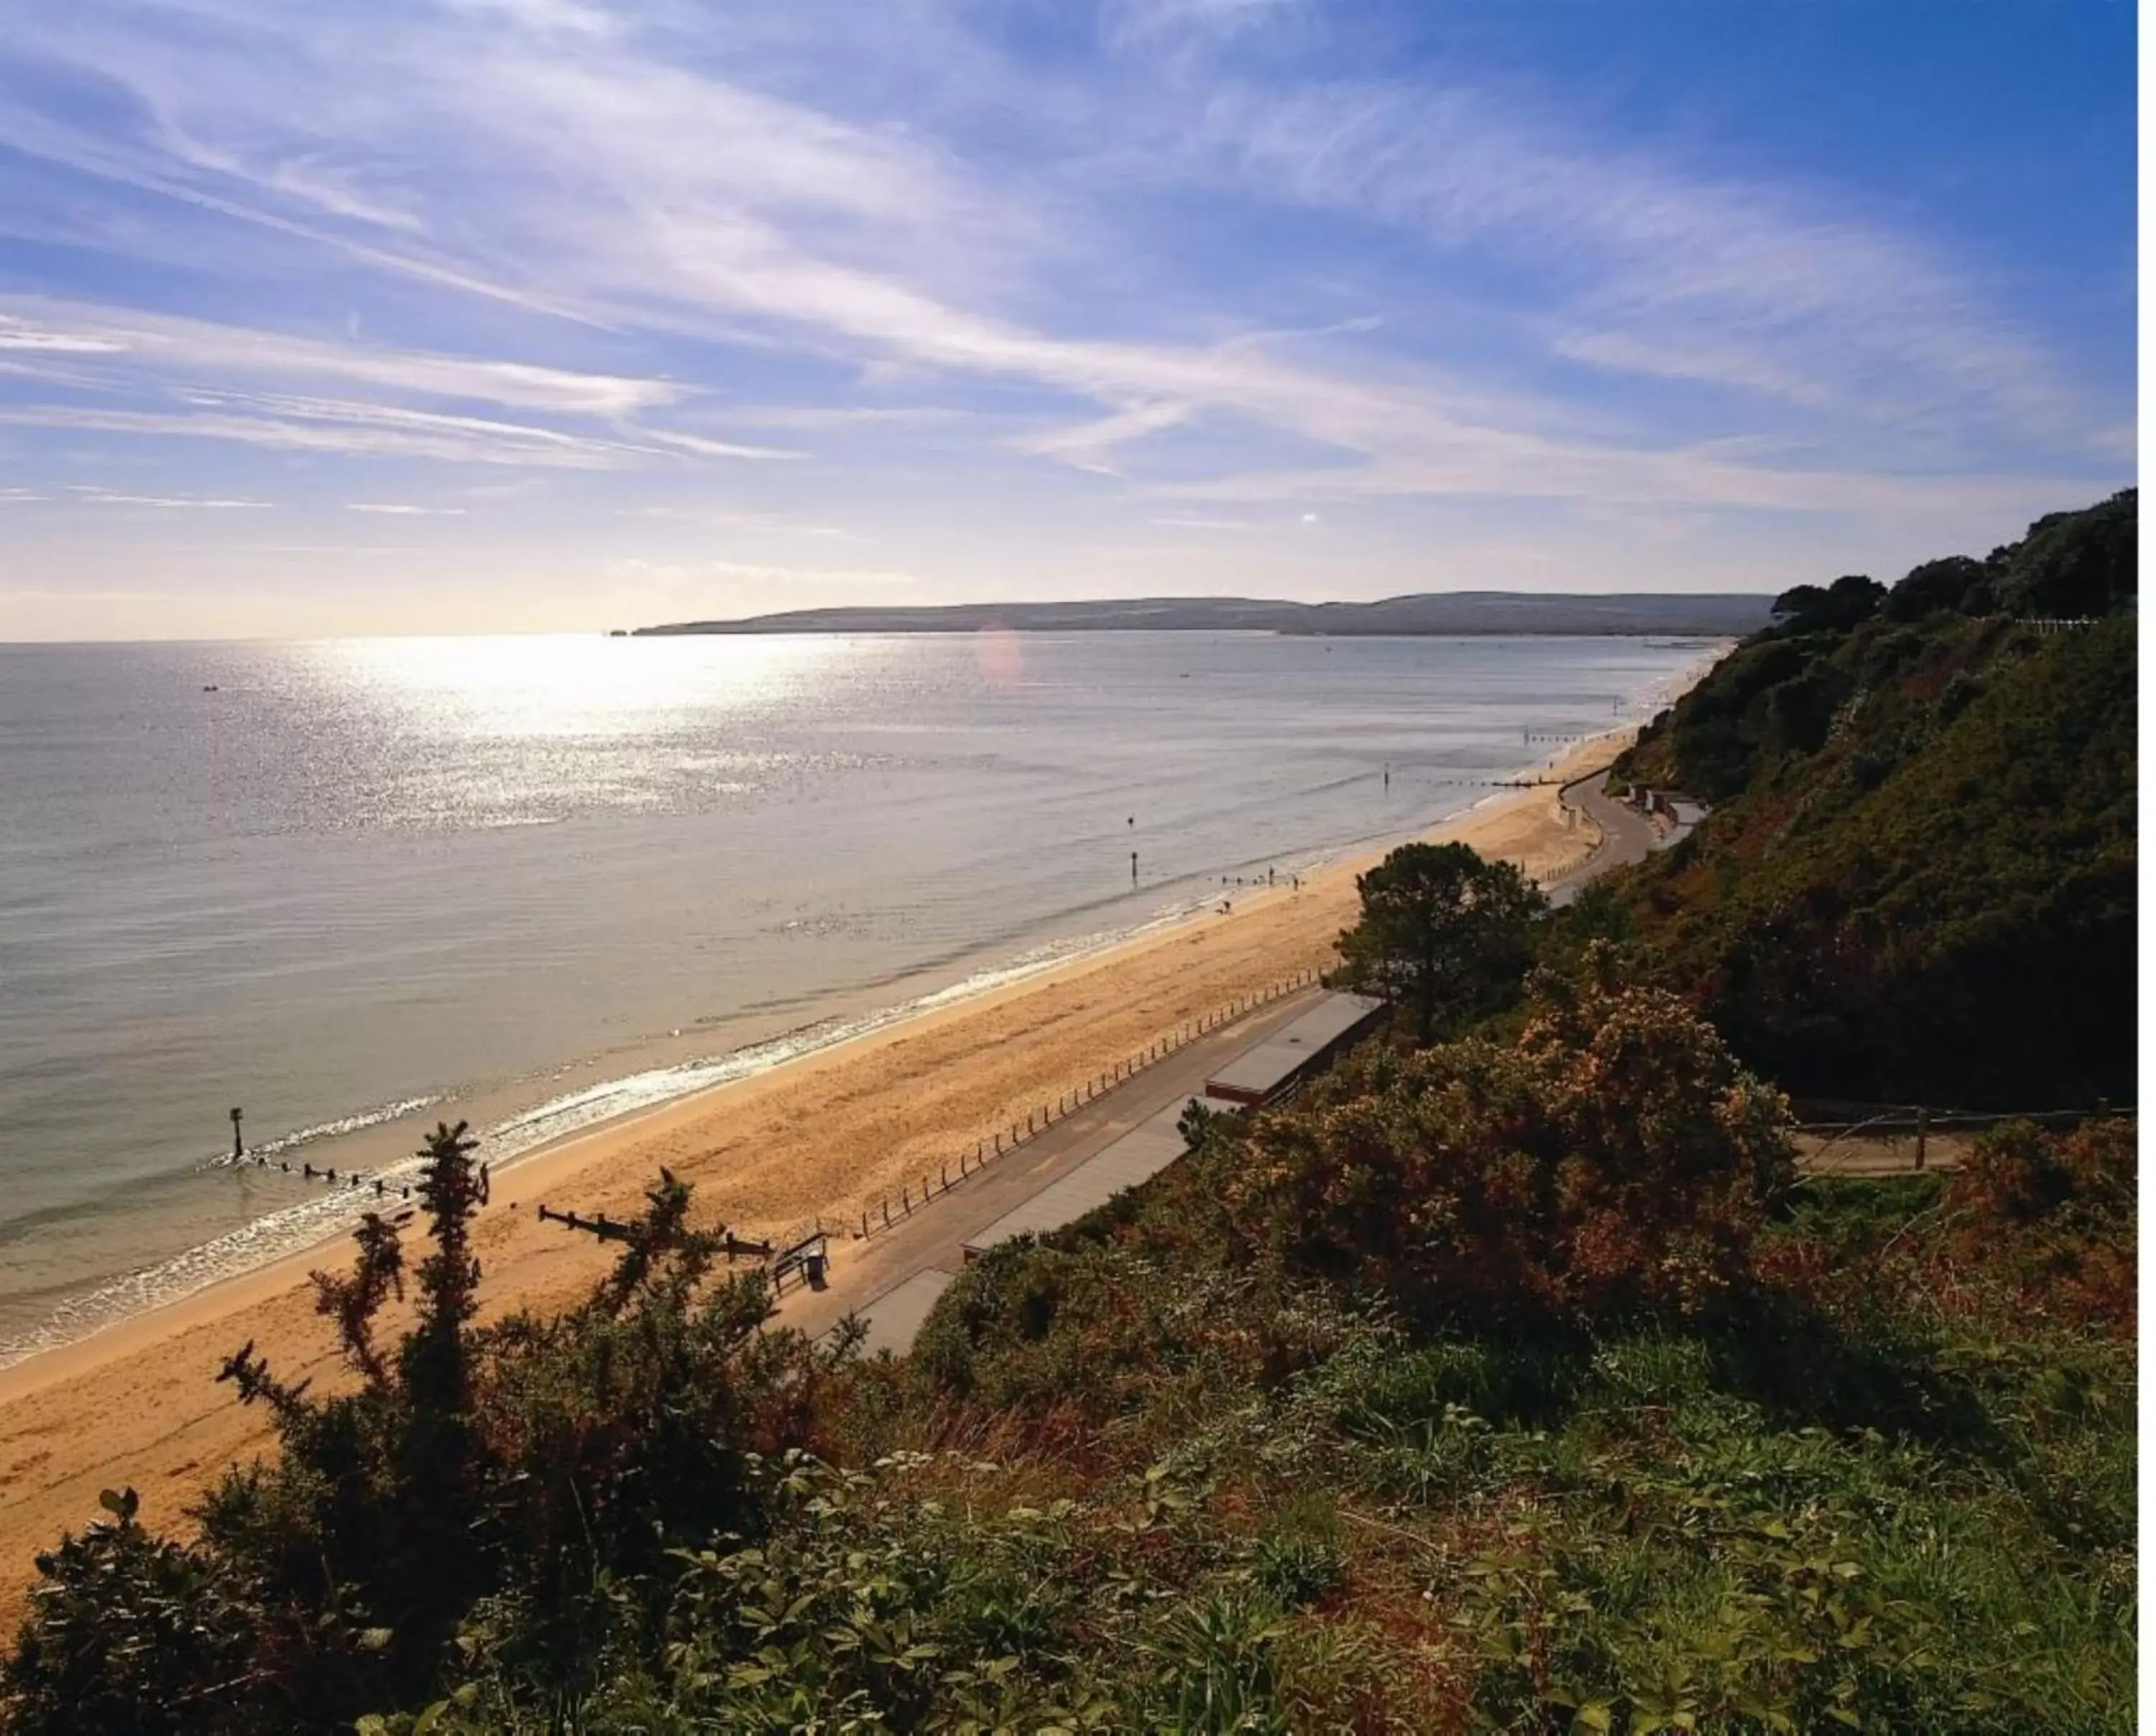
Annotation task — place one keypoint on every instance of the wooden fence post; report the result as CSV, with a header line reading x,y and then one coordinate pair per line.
x,y
1923,1126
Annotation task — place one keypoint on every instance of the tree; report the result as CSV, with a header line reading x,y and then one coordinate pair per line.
x,y
2074,563
1850,601
1443,932
1954,584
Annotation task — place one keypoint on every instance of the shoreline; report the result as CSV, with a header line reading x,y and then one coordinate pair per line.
x,y
301,1228
818,1134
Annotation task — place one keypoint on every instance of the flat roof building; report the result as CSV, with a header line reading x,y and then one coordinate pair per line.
x,y
1294,1052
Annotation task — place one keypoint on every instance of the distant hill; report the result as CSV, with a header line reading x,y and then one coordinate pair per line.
x,y
1721,614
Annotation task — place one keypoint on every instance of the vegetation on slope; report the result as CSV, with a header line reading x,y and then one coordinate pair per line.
x,y
1918,881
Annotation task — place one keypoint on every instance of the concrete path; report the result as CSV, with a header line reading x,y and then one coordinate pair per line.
x,y
1628,836
885,1276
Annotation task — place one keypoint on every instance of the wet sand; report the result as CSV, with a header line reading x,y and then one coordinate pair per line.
x,y
825,1136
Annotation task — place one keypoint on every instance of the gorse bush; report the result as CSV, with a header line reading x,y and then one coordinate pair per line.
x,y
2019,1176
2044,1222
1613,1159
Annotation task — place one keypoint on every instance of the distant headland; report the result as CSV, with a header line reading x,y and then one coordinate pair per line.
x,y
1718,614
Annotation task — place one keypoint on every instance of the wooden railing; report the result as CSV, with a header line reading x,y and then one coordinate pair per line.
x,y
890,1212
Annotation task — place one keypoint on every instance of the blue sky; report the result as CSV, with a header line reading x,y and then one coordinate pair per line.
x,y
472,314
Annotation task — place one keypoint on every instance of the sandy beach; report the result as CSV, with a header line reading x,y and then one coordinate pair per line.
x,y
821,1137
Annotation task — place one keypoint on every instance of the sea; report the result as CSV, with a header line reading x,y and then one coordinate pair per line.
x,y
348,888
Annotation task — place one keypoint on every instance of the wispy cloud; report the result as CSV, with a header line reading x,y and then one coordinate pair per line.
x,y
660,195
352,430
90,494
816,418
1771,286
1089,444
1182,262
1147,24
402,509
109,352
204,350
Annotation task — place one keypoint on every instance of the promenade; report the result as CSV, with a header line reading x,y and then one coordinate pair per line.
x,y
867,1278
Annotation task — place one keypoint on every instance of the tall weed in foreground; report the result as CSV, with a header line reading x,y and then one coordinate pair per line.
x,y
496,1503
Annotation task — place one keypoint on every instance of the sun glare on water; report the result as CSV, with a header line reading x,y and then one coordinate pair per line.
x,y
531,685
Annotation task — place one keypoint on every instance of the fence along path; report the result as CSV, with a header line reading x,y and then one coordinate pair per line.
x,y
891,1212
1835,1136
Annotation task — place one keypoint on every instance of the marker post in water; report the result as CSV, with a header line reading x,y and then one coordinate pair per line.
x,y
239,1150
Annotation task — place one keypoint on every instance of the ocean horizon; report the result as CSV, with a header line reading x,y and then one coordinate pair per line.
x,y
351,887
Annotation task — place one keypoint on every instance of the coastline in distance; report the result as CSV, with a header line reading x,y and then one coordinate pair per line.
x,y
1714,615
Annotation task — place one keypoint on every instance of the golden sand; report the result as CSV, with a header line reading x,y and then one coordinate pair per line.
x,y
826,1135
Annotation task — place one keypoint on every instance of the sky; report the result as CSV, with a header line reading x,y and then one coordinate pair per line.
x,y
469,316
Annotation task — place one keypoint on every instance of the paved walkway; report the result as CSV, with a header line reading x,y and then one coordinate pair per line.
x,y
865,1273
1628,836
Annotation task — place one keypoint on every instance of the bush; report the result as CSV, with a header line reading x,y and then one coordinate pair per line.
x,y
2048,1220
130,1632
1614,1158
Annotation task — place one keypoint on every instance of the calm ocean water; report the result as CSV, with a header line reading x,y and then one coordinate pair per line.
x,y
355,886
